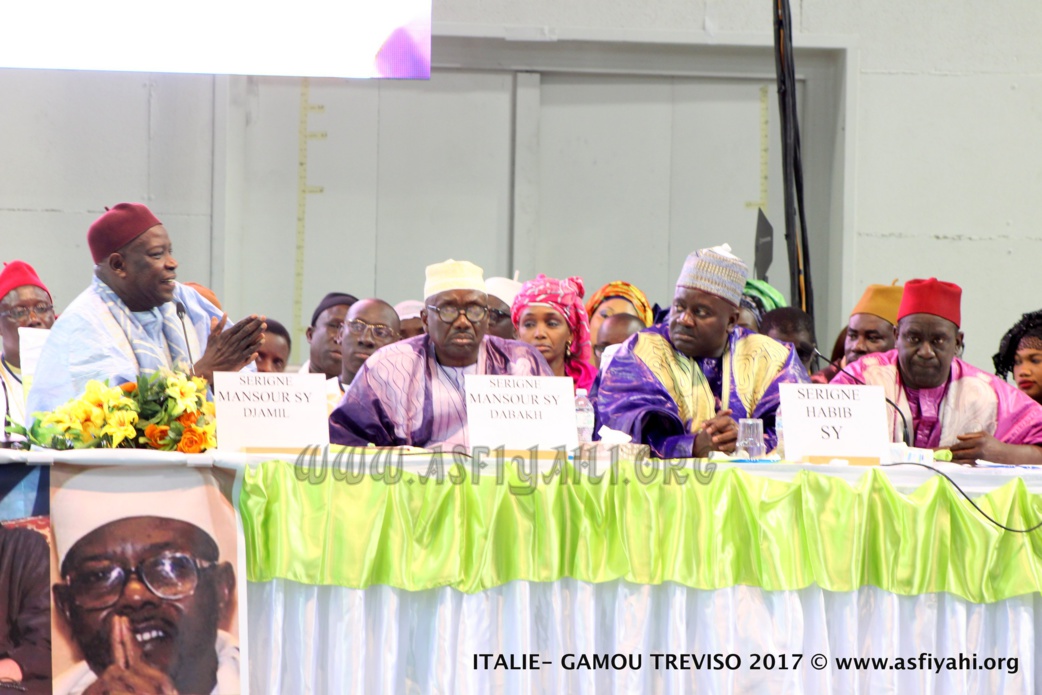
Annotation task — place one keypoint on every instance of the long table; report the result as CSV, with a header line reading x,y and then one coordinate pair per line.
x,y
756,578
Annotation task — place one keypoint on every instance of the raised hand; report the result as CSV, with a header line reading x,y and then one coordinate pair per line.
x,y
230,350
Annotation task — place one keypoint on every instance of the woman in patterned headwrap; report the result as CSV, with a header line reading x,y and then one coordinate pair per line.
x,y
550,316
618,297
1020,353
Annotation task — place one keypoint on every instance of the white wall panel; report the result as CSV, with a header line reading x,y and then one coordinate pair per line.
x,y
636,172
80,139
444,179
718,172
74,142
604,180
410,173
973,221
339,222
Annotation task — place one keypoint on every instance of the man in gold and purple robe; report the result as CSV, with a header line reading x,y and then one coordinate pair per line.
x,y
680,386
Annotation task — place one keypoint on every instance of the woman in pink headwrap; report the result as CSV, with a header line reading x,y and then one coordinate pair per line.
x,y
550,316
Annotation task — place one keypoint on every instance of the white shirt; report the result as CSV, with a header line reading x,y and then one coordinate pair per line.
x,y
334,394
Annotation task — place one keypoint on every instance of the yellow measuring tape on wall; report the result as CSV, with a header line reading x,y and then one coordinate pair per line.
x,y
304,135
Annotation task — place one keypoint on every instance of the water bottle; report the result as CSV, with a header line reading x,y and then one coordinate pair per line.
x,y
583,416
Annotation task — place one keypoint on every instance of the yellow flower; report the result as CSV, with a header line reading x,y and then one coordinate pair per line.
x,y
209,409
97,416
122,418
118,433
87,414
210,430
184,393
99,395
87,433
61,419
92,394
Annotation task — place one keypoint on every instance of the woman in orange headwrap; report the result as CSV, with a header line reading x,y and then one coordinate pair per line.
x,y
617,297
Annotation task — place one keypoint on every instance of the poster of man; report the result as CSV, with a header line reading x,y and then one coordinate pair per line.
x,y
145,589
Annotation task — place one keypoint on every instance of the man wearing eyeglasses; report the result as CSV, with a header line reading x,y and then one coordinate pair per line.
x,y
412,393
370,324
25,302
144,594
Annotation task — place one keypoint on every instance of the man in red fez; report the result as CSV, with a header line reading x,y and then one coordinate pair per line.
x,y
135,318
948,403
25,302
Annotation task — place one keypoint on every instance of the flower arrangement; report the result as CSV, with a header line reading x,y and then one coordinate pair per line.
x,y
167,411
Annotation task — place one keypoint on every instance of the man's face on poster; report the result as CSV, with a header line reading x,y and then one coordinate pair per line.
x,y
158,578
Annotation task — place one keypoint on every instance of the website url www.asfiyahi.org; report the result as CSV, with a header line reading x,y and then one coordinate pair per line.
x,y
460,465
926,661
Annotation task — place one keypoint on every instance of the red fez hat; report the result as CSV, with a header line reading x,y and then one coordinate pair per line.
x,y
932,296
119,226
19,274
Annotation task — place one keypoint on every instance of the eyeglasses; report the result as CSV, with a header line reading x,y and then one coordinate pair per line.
x,y
380,330
450,312
497,316
169,576
21,313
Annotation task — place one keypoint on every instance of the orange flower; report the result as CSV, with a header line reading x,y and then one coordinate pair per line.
x,y
129,387
188,419
192,441
155,434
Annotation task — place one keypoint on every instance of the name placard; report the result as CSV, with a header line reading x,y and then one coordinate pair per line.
x,y
275,411
519,412
830,421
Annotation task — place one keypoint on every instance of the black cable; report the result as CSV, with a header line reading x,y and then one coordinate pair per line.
x,y
963,493
797,239
818,355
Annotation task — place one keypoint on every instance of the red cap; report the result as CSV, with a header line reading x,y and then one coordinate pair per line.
x,y
932,296
19,274
119,226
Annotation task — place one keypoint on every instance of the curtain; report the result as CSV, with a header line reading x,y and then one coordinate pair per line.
x,y
309,639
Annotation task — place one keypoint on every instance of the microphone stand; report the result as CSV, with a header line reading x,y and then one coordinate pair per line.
x,y
184,329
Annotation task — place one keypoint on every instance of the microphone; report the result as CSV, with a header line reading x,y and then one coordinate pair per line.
x,y
188,345
908,438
